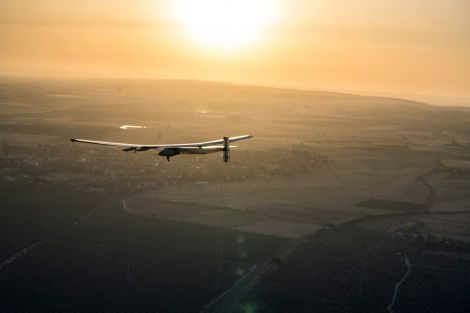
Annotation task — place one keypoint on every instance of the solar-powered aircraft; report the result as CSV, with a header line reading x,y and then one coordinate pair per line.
x,y
169,150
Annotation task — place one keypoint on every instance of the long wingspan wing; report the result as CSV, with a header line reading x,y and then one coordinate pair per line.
x,y
143,147
108,143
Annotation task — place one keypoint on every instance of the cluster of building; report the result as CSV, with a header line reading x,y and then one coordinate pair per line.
x,y
109,169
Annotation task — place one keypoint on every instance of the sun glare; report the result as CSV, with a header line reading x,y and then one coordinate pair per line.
x,y
225,24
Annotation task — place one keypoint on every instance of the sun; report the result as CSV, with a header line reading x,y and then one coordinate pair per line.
x,y
225,24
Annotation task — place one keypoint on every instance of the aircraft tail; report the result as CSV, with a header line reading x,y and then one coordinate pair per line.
x,y
226,149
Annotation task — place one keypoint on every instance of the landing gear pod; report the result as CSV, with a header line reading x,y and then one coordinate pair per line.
x,y
169,152
226,149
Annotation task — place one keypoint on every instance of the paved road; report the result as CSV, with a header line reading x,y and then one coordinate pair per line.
x,y
398,284
11,259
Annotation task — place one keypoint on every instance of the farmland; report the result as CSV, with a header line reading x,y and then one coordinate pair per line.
x,y
355,270
335,199
81,252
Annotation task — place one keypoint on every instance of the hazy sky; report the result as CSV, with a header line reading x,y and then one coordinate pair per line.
x,y
399,46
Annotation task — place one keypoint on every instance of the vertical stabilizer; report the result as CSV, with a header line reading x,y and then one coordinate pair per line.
x,y
226,149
